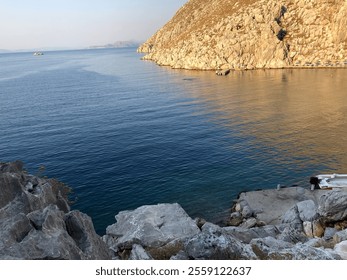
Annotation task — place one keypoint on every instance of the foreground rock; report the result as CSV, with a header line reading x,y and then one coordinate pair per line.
x,y
151,227
253,34
165,231
36,221
305,218
272,206
291,223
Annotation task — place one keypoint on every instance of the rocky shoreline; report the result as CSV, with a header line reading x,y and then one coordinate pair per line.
x,y
36,222
289,223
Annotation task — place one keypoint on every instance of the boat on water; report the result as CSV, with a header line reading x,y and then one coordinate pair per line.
x,y
38,53
329,181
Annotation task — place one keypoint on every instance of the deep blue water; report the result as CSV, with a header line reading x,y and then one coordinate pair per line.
x,y
123,132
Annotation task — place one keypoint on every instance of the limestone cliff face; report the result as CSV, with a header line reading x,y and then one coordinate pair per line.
x,y
250,34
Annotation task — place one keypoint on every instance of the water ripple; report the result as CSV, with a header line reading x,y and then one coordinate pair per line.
x,y
122,139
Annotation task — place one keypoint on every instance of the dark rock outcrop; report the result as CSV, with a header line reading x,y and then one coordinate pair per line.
x,y
36,221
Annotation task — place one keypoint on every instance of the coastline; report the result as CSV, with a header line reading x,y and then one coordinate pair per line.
x,y
286,223
338,65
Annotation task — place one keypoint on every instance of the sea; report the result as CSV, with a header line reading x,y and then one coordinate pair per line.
x,y
123,132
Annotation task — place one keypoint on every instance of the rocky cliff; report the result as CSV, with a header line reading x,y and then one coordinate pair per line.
x,y
36,221
252,34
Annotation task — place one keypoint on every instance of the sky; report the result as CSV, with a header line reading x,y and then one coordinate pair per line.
x,y
43,24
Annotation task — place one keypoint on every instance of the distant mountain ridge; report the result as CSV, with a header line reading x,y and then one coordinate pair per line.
x,y
252,34
118,44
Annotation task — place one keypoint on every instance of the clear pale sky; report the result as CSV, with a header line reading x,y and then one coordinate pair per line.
x,y
35,24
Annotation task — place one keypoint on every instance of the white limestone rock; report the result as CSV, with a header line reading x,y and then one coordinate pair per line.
x,y
307,210
341,249
151,226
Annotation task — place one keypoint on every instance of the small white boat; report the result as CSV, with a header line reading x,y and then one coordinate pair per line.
x,y
38,53
329,181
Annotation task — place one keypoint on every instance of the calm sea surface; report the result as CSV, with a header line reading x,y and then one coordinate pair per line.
x,y
124,132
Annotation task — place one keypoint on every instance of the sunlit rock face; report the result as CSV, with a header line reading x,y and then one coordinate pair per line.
x,y
252,34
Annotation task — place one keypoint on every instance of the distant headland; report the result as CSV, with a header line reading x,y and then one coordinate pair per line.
x,y
118,44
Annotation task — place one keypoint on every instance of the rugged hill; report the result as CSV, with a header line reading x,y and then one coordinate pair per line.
x,y
250,34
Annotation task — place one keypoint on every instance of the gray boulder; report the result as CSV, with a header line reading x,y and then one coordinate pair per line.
x,y
340,236
304,252
292,235
246,235
13,230
80,228
333,206
273,249
341,249
249,223
213,243
307,210
292,217
264,248
329,233
150,226
317,242
36,222
51,234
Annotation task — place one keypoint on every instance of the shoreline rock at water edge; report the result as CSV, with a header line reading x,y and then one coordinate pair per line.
x,y
291,223
36,221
